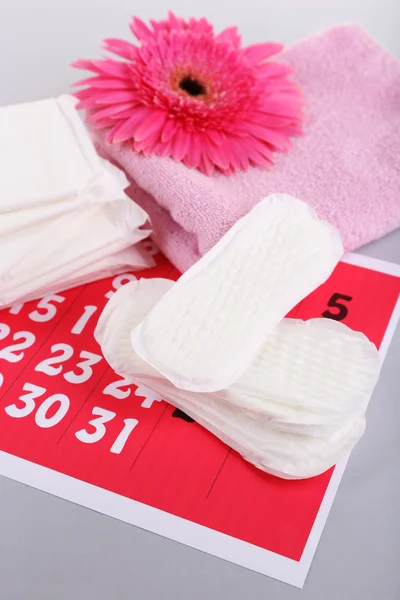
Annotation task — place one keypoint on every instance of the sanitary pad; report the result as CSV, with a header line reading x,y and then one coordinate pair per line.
x,y
292,431
203,334
48,140
66,220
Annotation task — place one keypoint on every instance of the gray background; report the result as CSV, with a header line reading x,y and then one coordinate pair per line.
x,y
53,550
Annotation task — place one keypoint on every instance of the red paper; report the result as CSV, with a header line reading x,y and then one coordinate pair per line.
x,y
63,408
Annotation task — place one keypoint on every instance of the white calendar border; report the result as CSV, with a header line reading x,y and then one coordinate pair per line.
x,y
184,531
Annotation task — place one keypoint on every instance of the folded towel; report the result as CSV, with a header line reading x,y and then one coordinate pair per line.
x,y
346,166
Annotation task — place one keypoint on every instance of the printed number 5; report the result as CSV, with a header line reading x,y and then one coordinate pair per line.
x,y
49,309
342,309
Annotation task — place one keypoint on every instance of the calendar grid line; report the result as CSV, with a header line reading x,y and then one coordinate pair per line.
x,y
107,368
149,436
218,472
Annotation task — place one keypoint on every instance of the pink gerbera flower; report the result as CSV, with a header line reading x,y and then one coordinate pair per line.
x,y
192,95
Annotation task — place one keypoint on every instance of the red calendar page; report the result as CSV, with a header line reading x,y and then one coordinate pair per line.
x,y
71,427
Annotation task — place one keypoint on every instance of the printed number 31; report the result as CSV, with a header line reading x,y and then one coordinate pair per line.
x,y
336,301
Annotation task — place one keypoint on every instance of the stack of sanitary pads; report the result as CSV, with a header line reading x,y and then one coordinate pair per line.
x,y
64,216
289,395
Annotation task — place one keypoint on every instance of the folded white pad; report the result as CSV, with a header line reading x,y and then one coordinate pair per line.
x,y
64,216
206,330
296,434
46,156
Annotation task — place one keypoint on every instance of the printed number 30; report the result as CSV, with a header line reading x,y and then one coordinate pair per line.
x,y
342,309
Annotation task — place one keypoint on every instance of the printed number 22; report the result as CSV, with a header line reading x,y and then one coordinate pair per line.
x,y
336,301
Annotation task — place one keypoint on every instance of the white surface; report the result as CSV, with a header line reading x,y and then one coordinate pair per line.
x,y
205,331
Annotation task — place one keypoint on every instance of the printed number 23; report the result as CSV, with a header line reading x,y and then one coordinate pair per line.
x,y
336,301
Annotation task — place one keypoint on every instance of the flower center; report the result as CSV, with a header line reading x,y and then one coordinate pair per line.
x,y
192,86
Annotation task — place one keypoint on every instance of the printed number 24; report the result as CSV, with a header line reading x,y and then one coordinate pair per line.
x,y
336,301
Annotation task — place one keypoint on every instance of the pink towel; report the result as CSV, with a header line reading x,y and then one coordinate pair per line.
x,y
347,165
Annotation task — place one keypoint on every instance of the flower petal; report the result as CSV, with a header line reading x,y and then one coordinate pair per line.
x,y
277,139
157,26
116,97
230,170
112,67
180,144
155,127
127,113
269,69
86,81
147,145
114,109
215,136
240,153
169,130
164,149
83,94
152,122
231,155
193,156
230,36
100,82
89,102
258,52
92,102
214,153
201,26
174,22
103,123
282,105
254,156
120,48
140,30
294,129
86,65
127,129
93,95
206,165
258,160
268,120
263,148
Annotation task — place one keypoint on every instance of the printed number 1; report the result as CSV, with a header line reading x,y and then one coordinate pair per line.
x,y
118,445
342,309
81,323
